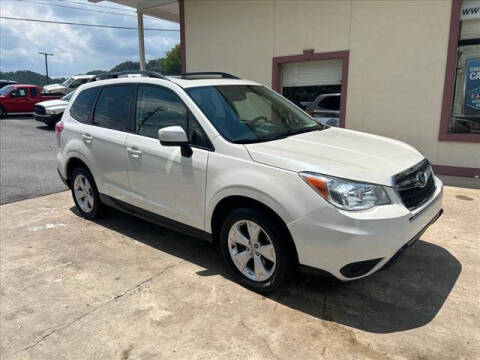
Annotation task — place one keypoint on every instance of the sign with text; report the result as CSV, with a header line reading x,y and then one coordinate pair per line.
x,y
470,10
472,87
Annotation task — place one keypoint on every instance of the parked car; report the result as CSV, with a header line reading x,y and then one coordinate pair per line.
x,y
326,109
465,125
4,83
68,85
233,162
50,112
20,98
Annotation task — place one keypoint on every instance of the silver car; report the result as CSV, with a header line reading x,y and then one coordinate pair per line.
x,y
325,109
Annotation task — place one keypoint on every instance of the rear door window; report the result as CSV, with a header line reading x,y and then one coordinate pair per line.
x,y
112,110
33,92
82,106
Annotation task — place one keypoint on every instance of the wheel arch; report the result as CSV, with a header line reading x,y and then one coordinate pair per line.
x,y
231,202
72,163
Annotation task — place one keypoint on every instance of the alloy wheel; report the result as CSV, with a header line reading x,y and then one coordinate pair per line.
x,y
83,193
251,250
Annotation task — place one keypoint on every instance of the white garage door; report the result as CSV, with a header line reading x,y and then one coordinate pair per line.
x,y
312,73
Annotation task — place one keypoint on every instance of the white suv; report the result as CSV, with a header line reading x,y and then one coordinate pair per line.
x,y
235,163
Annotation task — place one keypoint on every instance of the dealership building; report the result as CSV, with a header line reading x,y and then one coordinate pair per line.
x,y
409,70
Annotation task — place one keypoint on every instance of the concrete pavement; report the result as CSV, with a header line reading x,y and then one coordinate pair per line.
x,y
122,288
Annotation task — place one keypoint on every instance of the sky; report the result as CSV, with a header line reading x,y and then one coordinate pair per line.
x,y
76,49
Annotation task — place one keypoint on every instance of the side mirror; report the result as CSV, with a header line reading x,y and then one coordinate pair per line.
x,y
175,136
13,94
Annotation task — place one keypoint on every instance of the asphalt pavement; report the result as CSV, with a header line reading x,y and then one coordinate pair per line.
x,y
27,155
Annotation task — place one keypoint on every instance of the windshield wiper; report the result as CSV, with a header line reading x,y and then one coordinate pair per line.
x,y
261,139
278,136
304,130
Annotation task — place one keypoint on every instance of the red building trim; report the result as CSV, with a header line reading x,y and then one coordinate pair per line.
x,y
450,73
181,12
456,170
309,55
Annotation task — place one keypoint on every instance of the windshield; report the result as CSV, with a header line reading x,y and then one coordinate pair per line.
x,y
246,114
67,97
5,90
67,82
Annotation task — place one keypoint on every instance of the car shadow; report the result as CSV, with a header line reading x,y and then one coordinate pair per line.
x,y
17,117
45,128
407,295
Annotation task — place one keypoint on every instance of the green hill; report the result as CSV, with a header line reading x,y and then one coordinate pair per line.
x,y
28,77
170,64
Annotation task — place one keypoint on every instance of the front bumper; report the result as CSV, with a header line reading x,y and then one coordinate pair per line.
x,y
330,239
47,118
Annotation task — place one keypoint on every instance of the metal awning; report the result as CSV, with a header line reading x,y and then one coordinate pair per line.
x,y
161,9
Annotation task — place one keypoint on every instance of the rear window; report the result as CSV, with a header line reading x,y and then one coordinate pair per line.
x,y
331,103
113,107
82,106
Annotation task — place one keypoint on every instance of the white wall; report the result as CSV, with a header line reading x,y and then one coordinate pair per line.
x,y
397,50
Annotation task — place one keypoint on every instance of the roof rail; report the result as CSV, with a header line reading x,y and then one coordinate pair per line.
x,y
206,74
115,75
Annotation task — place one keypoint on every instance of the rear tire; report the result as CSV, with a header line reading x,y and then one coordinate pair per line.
x,y
255,249
85,194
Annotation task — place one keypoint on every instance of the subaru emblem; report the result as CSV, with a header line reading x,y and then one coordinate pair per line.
x,y
421,178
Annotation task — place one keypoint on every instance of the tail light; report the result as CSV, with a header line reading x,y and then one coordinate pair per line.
x,y
58,127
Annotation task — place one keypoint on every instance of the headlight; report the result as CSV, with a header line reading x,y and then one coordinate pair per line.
x,y
52,112
346,194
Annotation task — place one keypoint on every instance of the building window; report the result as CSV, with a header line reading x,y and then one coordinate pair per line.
x,y
465,114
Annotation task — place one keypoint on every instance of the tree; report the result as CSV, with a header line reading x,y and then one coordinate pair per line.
x,y
173,61
96,72
28,77
126,65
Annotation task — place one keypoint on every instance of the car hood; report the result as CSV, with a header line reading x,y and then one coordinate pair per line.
x,y
338,152
53,103
53,87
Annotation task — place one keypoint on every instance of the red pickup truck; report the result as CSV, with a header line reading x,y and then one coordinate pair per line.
x,y
20,98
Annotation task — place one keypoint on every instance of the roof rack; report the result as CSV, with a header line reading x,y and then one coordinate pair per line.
x,y
115,75
207,74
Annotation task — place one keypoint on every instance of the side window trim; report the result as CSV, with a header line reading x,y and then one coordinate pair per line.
x,y
94,105
210,146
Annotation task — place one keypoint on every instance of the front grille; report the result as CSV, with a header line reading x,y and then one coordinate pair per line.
x,y
40,110
416,185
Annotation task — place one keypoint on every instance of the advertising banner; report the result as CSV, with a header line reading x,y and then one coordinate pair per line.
x,y
472,87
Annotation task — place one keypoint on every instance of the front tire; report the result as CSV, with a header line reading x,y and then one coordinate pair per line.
x,y
3,112
255,249
85,194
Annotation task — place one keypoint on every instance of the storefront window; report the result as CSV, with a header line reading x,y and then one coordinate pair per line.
x,y
465,116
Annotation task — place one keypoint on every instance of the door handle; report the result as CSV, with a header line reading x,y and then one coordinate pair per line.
x,y
87,138
134,152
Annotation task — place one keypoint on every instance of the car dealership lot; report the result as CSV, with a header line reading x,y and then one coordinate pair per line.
x,y
28,151
124,288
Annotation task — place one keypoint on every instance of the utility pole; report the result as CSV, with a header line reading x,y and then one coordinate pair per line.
x,y
46,64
